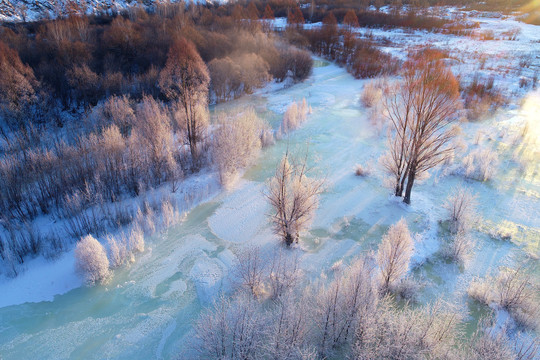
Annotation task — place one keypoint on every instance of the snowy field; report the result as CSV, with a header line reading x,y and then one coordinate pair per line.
x,y
147,309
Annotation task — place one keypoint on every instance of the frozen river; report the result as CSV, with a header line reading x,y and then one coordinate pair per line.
x,y
147,309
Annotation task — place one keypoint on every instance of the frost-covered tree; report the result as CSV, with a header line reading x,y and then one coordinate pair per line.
x,y
91,260
231,329
294,199
394,254
350,299
406,333
17,86
284,274
288,333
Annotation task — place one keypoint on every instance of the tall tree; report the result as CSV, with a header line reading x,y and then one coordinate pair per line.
x,y
295,17
420,109
185,78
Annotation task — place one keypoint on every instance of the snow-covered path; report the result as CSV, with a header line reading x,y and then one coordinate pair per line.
x,y
146,310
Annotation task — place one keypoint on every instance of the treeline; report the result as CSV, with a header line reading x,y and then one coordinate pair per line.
x,y
361,56
79,60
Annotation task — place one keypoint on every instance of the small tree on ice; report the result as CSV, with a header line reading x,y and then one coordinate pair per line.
x,y
294,199
394,254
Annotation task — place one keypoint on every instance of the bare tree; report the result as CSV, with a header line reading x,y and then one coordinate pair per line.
x,y
394,254
420,108
185,77
294,199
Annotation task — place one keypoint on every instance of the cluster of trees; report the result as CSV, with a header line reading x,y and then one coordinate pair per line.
x,y
142,79
276,313
78,60
361,56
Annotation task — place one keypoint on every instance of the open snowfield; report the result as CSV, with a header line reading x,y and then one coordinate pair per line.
x,y
146,310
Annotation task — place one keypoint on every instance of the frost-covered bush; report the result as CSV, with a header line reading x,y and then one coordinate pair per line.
x,y
512,290
481,164
372,94
91,260
407,333
145,220
136,240
294,116
394,255
461,206
169,213
236,143
117,251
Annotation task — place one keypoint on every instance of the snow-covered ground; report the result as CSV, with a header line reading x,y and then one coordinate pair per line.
x,y
147,309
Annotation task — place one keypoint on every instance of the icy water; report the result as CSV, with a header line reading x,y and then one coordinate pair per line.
x,y
147,309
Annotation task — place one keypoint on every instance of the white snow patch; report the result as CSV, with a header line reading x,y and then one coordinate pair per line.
x,y
41,281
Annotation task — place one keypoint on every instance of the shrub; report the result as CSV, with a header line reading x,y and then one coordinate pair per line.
x,y
512,290
459,248
360,170
481,164
294,116
372,94
91,260
461,206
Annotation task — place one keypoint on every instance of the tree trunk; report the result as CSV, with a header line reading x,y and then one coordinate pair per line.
x,y
289,239
410,182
